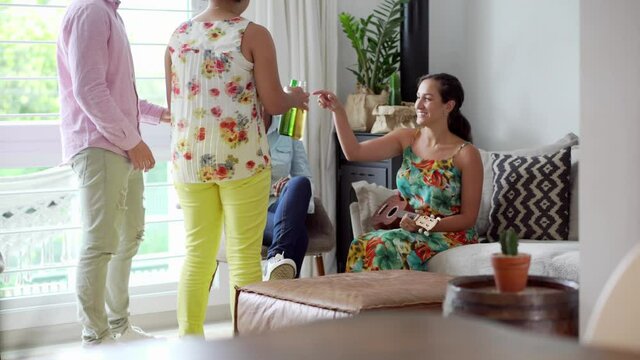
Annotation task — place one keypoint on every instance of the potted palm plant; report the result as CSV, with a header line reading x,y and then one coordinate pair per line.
x,y
375,40
510,267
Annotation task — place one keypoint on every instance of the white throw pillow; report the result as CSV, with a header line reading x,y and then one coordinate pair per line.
x,y
482,223
370,197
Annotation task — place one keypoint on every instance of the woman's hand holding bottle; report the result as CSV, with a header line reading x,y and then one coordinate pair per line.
x,y
299,96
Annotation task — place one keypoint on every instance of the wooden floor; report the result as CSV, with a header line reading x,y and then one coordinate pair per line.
x,y
219,330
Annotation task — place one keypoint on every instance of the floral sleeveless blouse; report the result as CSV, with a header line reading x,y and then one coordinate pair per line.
x,y
217,132
431,187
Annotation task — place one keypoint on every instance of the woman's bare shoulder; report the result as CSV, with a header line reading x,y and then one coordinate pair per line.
x,y
405,135
256,40
256,32
469,155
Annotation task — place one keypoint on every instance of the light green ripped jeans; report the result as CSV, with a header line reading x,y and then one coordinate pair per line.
x,y
112,213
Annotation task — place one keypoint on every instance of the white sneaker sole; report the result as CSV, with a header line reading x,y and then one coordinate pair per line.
x,y
282,272
93,344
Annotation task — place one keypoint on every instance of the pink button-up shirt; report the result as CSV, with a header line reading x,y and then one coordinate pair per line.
x,y
98,101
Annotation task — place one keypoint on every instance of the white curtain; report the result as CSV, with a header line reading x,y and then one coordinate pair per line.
x,y
305,33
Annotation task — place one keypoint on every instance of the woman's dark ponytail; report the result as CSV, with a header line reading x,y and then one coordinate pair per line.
x,y
451,89
459,125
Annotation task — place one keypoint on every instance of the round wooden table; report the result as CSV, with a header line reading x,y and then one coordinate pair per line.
x,y
546,305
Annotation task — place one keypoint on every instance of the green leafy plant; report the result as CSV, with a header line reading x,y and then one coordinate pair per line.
x,y
509,242
375,41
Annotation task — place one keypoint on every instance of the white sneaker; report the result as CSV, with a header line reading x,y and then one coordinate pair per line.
x,y
280,268
132,333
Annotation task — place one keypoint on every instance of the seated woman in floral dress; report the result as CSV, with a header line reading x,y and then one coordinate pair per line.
x,y
441,175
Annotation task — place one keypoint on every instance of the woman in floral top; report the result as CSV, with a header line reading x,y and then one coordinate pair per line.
x,y
441,175
221,70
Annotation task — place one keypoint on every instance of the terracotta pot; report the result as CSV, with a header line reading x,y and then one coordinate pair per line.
x,y
510,272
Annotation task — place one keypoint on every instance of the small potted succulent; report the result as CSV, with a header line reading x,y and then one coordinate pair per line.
x,y
510,268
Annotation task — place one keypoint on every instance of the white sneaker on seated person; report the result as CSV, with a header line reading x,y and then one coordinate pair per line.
x,y
280,268
132,333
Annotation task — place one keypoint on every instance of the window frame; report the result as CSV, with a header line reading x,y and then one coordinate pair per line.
x,y
59,309
37,143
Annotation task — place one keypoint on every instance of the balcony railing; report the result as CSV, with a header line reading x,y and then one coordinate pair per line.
x,y
40,233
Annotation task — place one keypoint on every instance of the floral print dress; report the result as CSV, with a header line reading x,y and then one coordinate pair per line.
x,y
217,131
431,187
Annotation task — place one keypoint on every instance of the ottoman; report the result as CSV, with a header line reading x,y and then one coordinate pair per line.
x,y
276,304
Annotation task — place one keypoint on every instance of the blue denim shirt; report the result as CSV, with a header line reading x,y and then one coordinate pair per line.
x,y
288,157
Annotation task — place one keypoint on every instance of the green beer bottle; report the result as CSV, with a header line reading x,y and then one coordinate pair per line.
x,y
293,122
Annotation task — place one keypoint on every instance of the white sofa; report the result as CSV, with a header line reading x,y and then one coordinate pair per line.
x,y
555,258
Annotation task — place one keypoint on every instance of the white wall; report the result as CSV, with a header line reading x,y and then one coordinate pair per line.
x,y
346,55
610,124
518,61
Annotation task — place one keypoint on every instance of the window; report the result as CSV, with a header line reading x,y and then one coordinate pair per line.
x,y
28,34
41,244
28,81
27,63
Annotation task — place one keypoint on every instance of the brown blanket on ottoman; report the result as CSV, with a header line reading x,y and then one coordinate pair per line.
x,y
276,304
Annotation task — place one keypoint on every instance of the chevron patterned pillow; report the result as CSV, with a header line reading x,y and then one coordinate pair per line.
x,y
531,195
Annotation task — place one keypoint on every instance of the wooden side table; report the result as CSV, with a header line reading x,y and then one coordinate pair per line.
x,y
546,305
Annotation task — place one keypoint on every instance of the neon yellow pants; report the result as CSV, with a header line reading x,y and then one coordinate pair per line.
x,y
239,205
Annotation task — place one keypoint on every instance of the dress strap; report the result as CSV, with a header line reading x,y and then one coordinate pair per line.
x,y
413,140
416,134
460,148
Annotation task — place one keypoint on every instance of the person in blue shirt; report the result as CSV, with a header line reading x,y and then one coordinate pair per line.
x,y
290,201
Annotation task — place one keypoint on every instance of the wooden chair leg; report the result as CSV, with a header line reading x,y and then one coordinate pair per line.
x,y
319,264
214,275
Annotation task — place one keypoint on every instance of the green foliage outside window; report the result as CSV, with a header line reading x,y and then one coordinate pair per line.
x,y
28,74
28,61
20,171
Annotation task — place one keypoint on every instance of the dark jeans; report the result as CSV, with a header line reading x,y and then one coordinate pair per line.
x,y
286,231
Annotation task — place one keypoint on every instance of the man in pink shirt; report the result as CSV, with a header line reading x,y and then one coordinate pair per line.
x,y
101,140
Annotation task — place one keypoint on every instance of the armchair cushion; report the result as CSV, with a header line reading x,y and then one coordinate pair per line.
x,y
354,212
370,196
553,258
